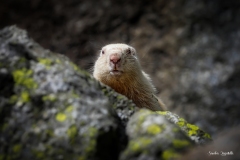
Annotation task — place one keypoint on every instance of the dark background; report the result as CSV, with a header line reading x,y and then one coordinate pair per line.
x,y
191,48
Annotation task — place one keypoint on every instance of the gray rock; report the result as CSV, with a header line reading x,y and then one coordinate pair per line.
x,y
50,109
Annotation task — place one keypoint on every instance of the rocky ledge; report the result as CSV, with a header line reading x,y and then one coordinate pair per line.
x,y
51,109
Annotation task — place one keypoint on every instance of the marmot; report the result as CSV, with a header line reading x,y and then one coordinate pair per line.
x,y
118,67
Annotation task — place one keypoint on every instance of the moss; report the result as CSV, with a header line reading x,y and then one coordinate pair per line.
x,y
119,97
192,129
39,155
139,144
13,99
17,148
169,154
72,132
75,95
91,146
50,133
2,157
58,61
75,67
45,61
181,123
69,109
91,134
81,158
181,119
141,119
50,97
24,77
4,126
206,135
154,129
92,131
162,112
178,143
61,117
25,97
175,129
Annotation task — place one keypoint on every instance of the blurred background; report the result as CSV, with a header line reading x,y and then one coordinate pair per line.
x,y
190,48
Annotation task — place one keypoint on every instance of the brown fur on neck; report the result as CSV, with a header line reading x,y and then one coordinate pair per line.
x,y
133,82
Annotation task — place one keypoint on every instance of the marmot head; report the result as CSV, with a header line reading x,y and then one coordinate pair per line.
x,y
116,61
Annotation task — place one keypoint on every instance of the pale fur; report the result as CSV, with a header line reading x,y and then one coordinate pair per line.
x,y
132,82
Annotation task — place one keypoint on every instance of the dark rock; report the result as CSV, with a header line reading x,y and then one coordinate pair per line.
x,y
51,109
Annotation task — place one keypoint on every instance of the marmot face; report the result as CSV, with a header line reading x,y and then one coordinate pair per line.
x,y
116,61
118,67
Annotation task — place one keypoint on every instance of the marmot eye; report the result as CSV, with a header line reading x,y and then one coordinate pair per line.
x,y
128,51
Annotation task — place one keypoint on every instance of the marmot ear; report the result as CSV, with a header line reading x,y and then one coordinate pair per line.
x,y
133,51
128,51
102,52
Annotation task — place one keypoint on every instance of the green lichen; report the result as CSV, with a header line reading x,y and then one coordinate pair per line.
x,y
178,143
61,117
91,134
45,61
39,154
69,108
75,95
81,158
25,97
2,157
58,61
170,154
162,112
13,99
17,148
72,132
4,127
180,123
175,129
91,146
192,129
139,144
50,133
76,68
154,129
24,77
206,135
50,97
92,131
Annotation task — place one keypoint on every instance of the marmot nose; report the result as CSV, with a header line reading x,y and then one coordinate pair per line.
x,y
114,58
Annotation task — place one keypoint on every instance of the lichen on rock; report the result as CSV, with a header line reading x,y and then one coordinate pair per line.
x,y
151,136
51,109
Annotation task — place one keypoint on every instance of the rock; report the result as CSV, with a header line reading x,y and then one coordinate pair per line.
x,y
190,48
152,136
225,146
164,135
51,109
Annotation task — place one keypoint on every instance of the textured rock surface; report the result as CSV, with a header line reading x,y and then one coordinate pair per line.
x,y
50,109
189,47
152,136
